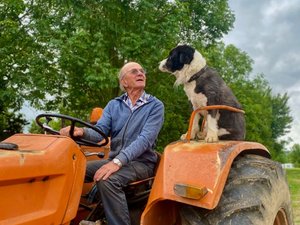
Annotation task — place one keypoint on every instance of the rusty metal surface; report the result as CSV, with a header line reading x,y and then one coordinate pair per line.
x,y
205,108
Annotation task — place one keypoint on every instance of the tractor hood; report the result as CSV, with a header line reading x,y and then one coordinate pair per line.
x,y
40,180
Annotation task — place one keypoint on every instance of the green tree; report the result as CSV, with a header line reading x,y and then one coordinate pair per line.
x,y
281,119
11,123
295,155
14,53
64,56
72,50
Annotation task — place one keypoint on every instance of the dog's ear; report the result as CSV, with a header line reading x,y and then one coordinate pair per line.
x,y
185,58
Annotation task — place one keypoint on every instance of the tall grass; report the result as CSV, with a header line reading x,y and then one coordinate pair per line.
x,y
293,177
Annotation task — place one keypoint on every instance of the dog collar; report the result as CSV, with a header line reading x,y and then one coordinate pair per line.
x,y
198,74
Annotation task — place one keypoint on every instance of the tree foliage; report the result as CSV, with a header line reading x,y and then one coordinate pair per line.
x,y
10,123
295,155
64,56
15,50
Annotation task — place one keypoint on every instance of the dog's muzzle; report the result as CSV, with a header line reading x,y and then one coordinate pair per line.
x,y
162,66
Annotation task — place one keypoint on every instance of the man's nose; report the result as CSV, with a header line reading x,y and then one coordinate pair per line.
x,y
141,74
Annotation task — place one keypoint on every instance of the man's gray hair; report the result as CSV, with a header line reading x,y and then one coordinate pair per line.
x,y
120,76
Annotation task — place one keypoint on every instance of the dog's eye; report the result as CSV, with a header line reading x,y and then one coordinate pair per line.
x,y
171,57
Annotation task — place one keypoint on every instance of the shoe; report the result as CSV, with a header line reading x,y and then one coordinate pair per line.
x,y
86,222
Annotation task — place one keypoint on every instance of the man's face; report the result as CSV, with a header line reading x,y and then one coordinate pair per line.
x,y
134,76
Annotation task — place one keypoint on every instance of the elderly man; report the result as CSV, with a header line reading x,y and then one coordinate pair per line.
x,y
133,122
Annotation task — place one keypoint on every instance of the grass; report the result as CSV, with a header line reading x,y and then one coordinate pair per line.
x,y
293,177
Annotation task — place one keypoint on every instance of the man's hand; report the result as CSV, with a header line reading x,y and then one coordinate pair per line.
x,y
105,171
78,131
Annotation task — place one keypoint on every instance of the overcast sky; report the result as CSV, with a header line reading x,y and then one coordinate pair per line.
x,y
269,31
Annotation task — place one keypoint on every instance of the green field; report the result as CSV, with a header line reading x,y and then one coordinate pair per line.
x,y
293,176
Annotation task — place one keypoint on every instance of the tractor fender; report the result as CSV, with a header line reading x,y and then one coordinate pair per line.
x,y
195,165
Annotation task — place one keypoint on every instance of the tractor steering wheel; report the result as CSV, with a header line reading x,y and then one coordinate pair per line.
x,y
78,140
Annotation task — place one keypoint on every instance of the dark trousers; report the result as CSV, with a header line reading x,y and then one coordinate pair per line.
x,y
111,189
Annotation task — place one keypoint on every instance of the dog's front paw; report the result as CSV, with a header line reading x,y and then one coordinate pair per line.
x,y
211,138
183,137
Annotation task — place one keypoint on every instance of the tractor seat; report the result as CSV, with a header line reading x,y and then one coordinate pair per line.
x,y
95,115
139,190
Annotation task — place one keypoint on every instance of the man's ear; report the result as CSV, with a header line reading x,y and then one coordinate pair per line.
x,y
124,83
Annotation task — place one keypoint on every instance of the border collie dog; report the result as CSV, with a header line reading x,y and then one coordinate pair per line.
x,y
204,87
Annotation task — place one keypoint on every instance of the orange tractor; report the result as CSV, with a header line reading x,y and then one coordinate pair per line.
x,y
228,182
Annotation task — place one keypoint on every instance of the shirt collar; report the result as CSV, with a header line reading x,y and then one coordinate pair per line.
x,y
141,101
143,98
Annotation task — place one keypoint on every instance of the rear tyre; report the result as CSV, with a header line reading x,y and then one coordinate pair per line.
x,y
256,193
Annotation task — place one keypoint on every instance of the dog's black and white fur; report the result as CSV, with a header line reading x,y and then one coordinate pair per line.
x,y
204,87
